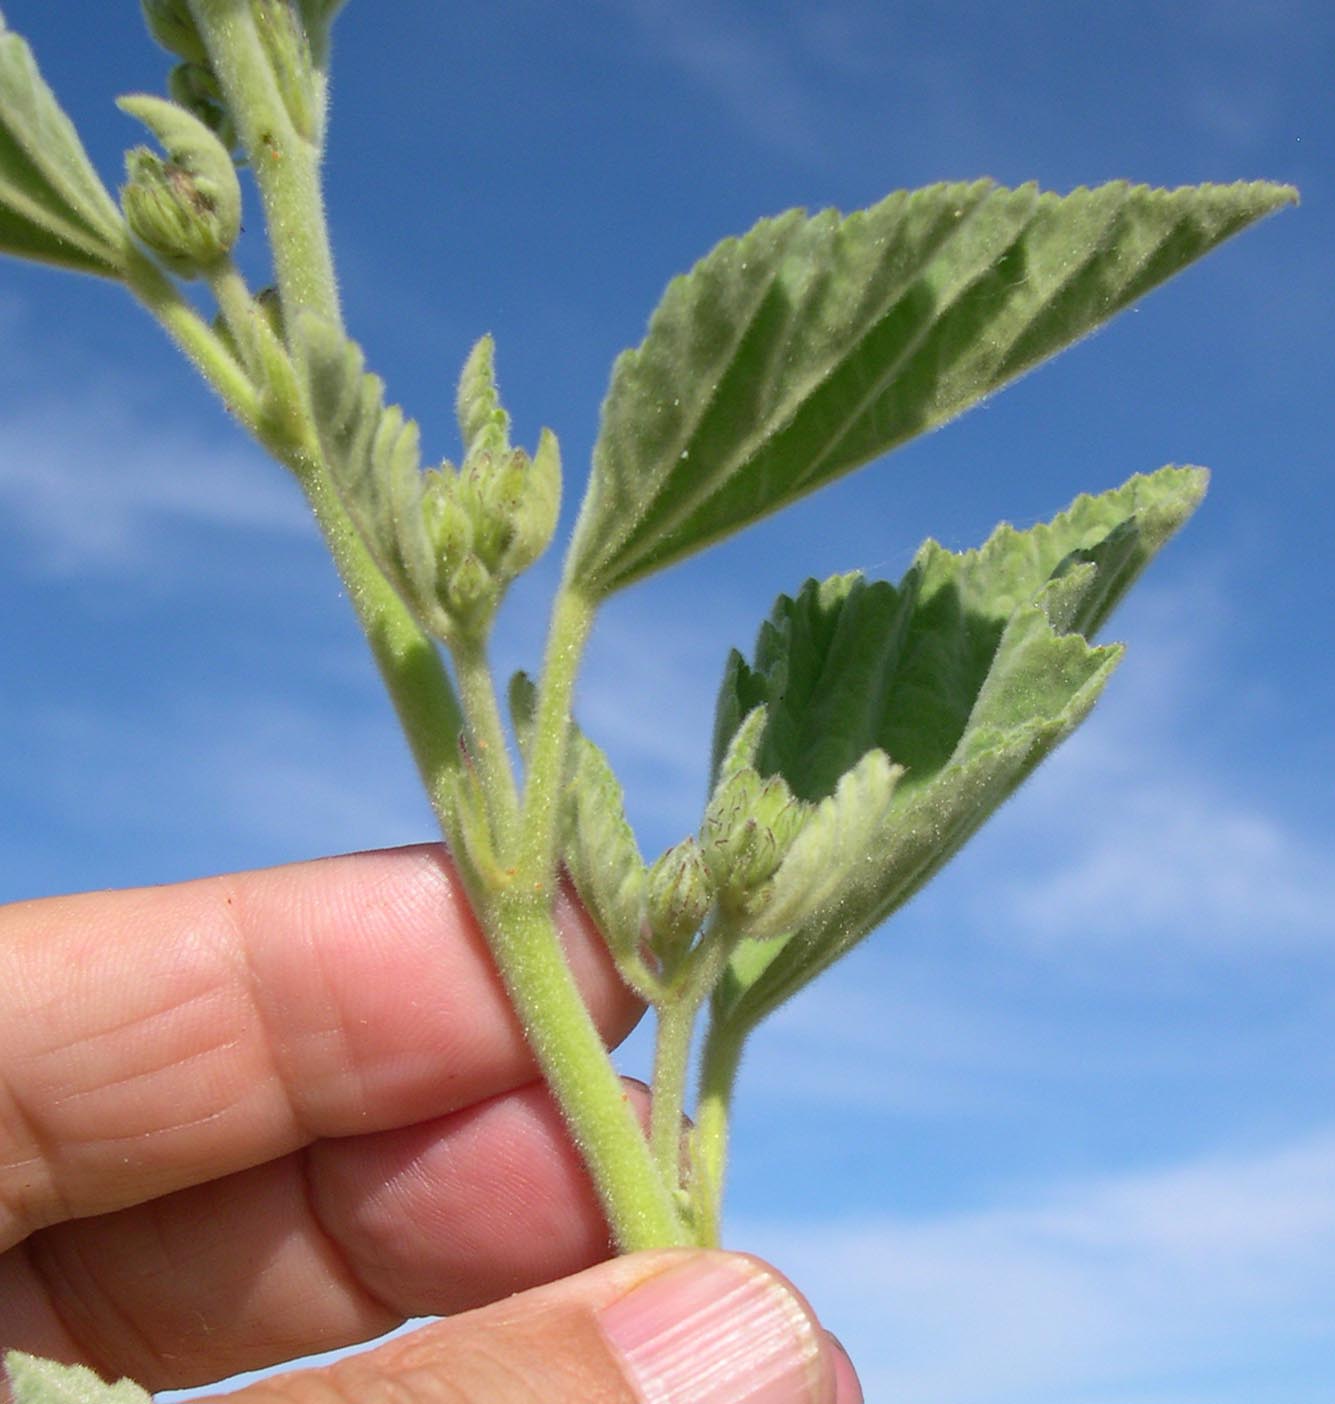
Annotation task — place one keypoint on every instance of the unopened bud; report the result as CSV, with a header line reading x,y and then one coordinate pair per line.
x,y
483,424
749,826
187,208
471,593
449,526
538,504
679,893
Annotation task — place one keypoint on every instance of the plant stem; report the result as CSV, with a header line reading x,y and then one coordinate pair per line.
x,y
568,632
286,165
677,1011
486,733
193,335
639,1205
238,308
719,1062
409,662
672,1056
517,916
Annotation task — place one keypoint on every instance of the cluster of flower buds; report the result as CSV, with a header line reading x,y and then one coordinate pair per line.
x,y
494,515
750,823
187,208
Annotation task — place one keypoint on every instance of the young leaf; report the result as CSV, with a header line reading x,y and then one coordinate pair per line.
x,y
966,675
811,346
34,1380
53,206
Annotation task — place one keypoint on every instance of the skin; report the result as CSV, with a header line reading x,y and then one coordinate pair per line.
x,y
253,1117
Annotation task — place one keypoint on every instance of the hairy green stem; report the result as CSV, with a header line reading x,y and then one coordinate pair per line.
x,y
640,1208
639,1204
677,1012
720,1060
196,339
672,1056
486,732
238,310
568,632
286,165
409,662
517,916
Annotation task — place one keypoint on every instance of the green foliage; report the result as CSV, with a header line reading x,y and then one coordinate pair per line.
x,y
963,678
810,346
53,205
449,540
877,725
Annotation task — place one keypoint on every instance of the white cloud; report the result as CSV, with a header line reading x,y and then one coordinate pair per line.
x,y
1177,857
1103,1291
265,773
1134,832
745,67
92,486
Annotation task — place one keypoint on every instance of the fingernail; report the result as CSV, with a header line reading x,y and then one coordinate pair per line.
x,y
847,1387
716,1330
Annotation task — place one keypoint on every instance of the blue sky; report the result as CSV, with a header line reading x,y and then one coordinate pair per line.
x,y
1065,1129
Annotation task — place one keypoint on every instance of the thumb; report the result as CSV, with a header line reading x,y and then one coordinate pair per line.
x,y
677,1327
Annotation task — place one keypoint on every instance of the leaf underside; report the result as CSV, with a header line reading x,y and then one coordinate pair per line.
x,y
35,1380
53,205
966,674
810,346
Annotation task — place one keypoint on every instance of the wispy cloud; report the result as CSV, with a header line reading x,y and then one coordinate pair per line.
x,y
744,66
1128,836
1104,1290
212,781
95,487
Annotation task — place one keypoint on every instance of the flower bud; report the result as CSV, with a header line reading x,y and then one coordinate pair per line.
x,y
749,826
173,26
471,592
483,424
533,516
679,894
449,525
187,208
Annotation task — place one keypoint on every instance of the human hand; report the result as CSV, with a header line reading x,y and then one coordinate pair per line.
x,y
250,1118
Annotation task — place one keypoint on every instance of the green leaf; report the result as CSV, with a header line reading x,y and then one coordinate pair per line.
x,y
38,1381
965,675
811,346
53,206
599,847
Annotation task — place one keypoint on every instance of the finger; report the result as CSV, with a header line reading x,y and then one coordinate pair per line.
x,y
331,1246
155,1039
684,1327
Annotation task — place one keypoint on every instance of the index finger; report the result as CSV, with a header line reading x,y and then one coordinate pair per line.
x,y
161,1037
